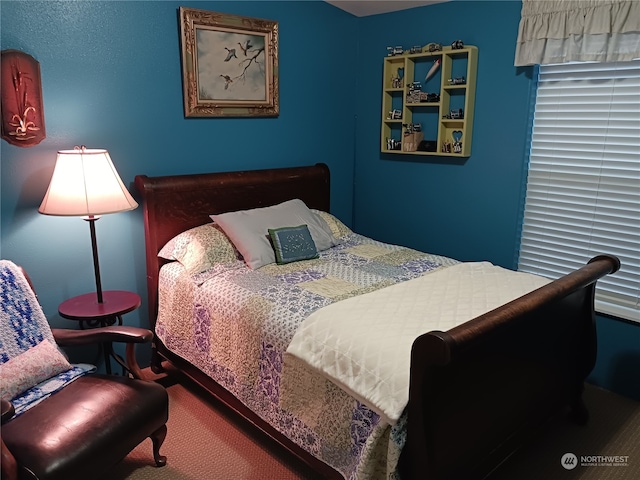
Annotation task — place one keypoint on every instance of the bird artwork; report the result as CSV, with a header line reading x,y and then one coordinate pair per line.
x,y
245,47
231,54
227,81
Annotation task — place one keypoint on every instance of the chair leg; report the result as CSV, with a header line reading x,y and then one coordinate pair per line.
x,y
156,361
8,463
157,438
578,412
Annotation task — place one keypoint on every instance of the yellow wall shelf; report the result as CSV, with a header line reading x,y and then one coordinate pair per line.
x,y
436,105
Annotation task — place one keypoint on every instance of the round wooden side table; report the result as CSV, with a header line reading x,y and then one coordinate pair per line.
x,y
87,310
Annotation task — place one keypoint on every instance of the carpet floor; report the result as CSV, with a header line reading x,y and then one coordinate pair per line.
x,y
206,441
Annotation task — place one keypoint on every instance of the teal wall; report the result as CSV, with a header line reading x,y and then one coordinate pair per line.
x,y
467,210
112,79
111,76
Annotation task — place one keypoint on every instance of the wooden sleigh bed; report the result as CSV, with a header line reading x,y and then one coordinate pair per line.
x,y
477,391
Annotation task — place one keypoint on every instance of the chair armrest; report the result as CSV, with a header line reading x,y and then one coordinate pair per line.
x,y
124,334
7,410
65,337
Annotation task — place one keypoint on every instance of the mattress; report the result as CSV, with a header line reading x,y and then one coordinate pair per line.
x,y
235,325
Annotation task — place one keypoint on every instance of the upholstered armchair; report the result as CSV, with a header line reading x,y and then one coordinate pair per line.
x,y
66,422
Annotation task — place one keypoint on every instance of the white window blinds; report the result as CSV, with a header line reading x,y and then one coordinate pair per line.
x,y
583,187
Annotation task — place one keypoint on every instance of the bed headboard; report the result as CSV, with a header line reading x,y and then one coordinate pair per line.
x,y
175,203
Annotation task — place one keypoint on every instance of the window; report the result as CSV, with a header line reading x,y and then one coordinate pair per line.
x,y
583,187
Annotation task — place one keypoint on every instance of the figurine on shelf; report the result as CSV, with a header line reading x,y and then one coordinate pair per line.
x,y
411,128
413,95
457,81
454,115
393,51
446,147
457,141
434,47
434,68
457,45
418,96
393,144
395,114
415,49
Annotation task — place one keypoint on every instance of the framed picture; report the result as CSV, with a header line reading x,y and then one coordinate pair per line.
x,y
229,65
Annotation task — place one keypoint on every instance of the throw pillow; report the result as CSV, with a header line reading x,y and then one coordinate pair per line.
x,y
31,367
292,244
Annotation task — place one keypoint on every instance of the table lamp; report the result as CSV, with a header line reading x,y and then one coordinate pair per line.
x,y
85,183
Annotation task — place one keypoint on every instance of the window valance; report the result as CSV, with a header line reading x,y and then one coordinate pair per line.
x,y
561,31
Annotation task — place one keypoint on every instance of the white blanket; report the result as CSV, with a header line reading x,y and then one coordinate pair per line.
x,y
364,343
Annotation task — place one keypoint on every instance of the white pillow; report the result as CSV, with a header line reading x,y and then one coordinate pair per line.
x,y
248,229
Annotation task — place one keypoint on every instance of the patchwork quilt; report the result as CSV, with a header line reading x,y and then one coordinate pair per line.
x,y
235,325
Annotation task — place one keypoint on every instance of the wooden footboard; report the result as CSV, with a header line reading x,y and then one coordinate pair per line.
x,y
480,389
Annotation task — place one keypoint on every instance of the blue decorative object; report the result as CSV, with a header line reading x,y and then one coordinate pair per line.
x,y
292,244
22,322
23,325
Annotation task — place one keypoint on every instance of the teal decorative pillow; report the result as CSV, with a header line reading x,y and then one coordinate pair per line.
x,y
292,244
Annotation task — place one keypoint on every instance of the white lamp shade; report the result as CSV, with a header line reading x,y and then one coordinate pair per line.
x,y
85,183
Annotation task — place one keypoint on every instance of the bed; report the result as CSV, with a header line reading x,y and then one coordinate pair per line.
x,y
476,391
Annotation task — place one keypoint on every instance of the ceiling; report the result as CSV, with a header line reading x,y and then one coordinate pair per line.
x,y
363,8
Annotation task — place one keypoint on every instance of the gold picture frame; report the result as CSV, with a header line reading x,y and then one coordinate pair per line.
x,y
229,65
